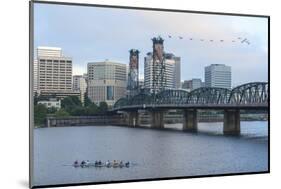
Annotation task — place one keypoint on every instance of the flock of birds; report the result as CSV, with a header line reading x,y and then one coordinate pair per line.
x,y
239,39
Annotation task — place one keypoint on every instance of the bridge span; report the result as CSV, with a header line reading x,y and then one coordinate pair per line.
x,y
249,96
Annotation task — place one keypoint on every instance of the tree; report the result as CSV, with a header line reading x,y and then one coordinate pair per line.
x,y
40,113
35,98
70,103
87,101
52,110
61,113
79,111
103,107
92,109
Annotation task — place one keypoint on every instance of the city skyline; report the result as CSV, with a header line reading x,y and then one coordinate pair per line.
x,y
92,40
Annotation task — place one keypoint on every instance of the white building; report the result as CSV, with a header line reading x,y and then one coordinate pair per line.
x,y
171,74
80,85
218,75
54,71
35,76
49,51
51,103
107,81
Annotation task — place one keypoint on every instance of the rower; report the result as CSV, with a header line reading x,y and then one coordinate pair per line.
x,y
127,164
121,163
107,163
83,163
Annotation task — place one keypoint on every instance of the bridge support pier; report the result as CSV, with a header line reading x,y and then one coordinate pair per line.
x,y
157,119
133,119
231,122
190,120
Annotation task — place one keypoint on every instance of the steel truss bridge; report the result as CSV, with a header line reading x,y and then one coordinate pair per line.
x,y
247,96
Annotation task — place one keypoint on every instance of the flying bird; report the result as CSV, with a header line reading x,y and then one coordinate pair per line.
x,y
169,36
211,40
245,41
221,40
180,37
190,39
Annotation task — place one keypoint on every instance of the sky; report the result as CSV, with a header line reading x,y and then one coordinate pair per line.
x,y
90,34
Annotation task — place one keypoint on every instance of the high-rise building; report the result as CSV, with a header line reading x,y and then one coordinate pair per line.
x,y
218,75
161,70
196,83
171,73
177,72
35,75
49,51
192,84
187,84
141,84
107,81
80,85
54,70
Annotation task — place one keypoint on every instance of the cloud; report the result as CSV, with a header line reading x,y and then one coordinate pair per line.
x,y
78,69
94,34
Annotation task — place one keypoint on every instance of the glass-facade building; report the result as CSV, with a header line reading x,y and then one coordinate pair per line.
x,y
107,81
172,72
218,75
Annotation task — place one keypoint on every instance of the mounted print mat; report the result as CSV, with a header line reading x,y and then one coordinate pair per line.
x,y
121,94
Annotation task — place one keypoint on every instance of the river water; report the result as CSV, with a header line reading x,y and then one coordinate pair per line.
x,y
153,153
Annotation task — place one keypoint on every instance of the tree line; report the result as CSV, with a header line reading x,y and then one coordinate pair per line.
x,y
70,106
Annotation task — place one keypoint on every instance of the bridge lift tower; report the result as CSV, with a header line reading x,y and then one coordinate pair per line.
x,y
158,65
133,75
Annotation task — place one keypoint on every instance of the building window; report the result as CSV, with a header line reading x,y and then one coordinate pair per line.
x,y
109,93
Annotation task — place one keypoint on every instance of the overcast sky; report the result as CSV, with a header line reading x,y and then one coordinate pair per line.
x,y
89,34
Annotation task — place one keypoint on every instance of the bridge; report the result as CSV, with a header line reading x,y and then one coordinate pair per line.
x,y
247,96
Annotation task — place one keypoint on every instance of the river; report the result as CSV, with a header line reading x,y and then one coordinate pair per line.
x,y
153,153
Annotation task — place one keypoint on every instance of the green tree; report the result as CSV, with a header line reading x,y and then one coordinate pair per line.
x,y
79,111
103,107
92,109
40,113
70,103
87,101
35,98
52,110
61,113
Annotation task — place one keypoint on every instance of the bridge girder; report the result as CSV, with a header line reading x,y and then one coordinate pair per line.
x,y
208,95
172,96
249,93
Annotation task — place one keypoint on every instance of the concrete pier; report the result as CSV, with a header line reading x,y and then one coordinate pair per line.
x,y
157,119
231,123
190,120
133,119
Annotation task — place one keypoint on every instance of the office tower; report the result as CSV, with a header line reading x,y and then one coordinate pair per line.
x,y
54,70
35,76
192,84
80,85
107,81
161,69
218,75
49,51
171,74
